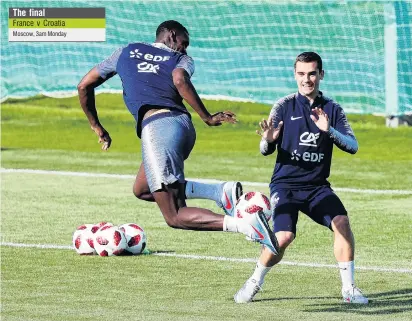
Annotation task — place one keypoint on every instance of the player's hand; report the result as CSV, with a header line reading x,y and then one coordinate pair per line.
x,y
221,117
267,131
321,119
104,137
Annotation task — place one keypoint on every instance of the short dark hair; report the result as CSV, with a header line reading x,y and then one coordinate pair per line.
x,y
309,56
170,25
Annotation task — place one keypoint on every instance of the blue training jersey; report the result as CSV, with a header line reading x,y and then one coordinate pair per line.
x,y
146,74
304,151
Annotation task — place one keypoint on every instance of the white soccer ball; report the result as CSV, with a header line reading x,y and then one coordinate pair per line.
x,y
135,237
97,226
251,203
109,241
83,239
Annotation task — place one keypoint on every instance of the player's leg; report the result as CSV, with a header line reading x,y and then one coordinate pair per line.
x,y
167,140
285,217
344,243
171,201
328,210
141,187
344,250
264,264
224,194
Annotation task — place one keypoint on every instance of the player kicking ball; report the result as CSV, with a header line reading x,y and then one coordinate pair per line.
x,y
155,79
304,127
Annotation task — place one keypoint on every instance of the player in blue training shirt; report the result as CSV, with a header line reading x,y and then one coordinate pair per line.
x,y
303,127
155,79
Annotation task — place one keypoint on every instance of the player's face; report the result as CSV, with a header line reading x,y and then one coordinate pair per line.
x,y
179,41
308,78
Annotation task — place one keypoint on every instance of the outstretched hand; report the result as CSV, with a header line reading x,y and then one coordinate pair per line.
x,y
320,118
267,131
104,137
221,117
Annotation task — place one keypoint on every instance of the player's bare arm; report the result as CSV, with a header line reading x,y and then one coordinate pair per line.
x,y
87,100
188,92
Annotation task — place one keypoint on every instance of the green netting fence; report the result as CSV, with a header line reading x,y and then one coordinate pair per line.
x,y
242,49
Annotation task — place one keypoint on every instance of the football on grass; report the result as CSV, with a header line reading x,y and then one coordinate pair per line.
x,y
109,240
83,239
135,237
97,226
251,203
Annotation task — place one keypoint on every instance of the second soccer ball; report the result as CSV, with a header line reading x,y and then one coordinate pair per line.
x,y
251,203
109,241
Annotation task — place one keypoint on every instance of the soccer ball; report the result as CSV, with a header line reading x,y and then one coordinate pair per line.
x,y
83,240
251,203
109,240
99,225
136,238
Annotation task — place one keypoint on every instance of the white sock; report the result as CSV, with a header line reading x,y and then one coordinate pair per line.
x,y
347,272
260,272
233,224
205,191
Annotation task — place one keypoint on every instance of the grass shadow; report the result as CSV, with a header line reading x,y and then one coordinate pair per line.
x,y
383,303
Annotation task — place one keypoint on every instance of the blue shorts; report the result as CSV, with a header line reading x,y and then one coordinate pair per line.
x,y
320,203
167,140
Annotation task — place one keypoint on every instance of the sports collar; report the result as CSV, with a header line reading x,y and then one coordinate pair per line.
x,y
302,99
160,45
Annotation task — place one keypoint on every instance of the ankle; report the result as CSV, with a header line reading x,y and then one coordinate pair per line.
x,y
260,273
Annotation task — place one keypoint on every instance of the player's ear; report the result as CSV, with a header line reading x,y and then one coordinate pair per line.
x,y
170,37
173,35
322,74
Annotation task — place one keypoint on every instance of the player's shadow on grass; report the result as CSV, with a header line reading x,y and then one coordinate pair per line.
x,y
392,302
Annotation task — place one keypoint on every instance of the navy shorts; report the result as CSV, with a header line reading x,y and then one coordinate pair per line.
x,y
320,203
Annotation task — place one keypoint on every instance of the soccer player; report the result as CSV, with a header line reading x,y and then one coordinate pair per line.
x,y
155,79
304,127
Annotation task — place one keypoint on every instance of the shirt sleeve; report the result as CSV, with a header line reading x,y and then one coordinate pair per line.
x,y
275,114
188,64
342,135
107,68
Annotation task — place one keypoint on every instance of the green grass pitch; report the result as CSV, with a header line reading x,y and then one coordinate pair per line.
x,y
57,284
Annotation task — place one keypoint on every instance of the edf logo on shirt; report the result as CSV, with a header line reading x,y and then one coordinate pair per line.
x,y
146,66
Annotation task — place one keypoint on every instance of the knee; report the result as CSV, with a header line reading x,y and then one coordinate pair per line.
x,y
284,239
138,191
172,221
341,223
